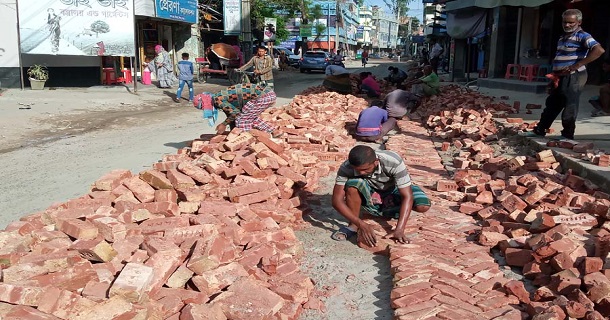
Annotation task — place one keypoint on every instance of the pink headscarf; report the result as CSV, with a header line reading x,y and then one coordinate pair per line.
x,y
158,48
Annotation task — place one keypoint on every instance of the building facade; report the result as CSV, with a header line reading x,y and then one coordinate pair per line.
x,y
78,40
491,36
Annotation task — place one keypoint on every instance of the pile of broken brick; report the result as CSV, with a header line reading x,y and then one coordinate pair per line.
x,y
553,225
207,233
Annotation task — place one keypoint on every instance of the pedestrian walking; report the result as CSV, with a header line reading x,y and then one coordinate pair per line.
x,y
365,58
162,66
575,49
185,76
435,56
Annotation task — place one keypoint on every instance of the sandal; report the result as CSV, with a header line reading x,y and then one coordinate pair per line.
x,y
343,234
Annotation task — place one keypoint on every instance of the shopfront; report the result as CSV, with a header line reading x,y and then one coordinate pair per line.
x,y
171,24
9,45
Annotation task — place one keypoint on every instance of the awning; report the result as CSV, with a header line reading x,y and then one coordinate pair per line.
x,y
461,4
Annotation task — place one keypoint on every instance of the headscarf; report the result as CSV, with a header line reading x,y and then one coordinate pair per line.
x,y
159,48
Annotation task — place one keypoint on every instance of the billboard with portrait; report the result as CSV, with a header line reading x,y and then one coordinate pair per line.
x,y
77,27
269,30
9,49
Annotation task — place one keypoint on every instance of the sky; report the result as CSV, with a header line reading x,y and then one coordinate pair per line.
x,y
415,7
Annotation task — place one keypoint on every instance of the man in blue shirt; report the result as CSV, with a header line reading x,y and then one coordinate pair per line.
x,y
374,123
575,50
186,71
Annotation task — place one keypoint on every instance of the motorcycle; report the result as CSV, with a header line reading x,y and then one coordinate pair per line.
x,y
339,63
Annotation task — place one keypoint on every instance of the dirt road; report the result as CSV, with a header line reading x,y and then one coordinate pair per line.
x,y
61,141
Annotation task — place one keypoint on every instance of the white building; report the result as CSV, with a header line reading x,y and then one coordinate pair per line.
x,y
363,33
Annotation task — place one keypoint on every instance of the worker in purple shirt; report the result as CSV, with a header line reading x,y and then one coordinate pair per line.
x,y
374,123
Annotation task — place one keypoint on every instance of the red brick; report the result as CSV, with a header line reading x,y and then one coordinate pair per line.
x,y
27,313
156,179
292,175
213,281
96,291
446,185
518,257
249,299
132,282
253,197
24,295
196,173
470,207
94,250
517,289
111,180
78,229
64,304
512,203
166,195
247,189
161,224
163,263
180,180
592,264
141,190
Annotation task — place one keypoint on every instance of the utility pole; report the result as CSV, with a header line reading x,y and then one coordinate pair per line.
x,y
328,26
246,30
338,18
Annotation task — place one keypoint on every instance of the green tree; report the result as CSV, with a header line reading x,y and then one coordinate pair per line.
x,y
414,24
100,26
398,7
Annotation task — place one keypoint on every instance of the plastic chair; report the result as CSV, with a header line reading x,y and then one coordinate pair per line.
x,y
127,75
483,73
109,76
543,70
512,70
528,72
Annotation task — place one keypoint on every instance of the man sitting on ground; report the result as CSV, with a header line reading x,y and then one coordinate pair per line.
x,y
373,123
334,70
369,85
379,182
396,75
400,102
427,85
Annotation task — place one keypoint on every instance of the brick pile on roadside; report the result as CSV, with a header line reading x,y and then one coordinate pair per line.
x,y
207,233
552,224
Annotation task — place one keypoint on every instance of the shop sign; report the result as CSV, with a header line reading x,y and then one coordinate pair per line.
x,y
305,30
178,10
77,27
9,49
232,17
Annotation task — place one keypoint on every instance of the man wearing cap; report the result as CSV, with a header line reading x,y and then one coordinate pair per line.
x,y
242,103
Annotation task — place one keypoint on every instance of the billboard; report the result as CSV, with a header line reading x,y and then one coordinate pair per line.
x,y
77,27
232,17
269,30
178,10
9,49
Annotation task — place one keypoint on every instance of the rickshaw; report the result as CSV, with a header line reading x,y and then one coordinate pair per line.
x,y
228,59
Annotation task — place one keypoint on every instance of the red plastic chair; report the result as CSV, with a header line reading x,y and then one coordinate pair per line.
x,y
512,70
109,76
528,72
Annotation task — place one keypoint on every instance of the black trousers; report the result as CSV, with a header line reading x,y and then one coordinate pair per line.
x,y
565,100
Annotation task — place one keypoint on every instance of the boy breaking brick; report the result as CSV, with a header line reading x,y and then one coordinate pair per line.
x,y
379,182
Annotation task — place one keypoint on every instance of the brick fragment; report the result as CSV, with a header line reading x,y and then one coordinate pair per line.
x,y
132,281
156,179
111,180
95,250
179,180
78,229
141,190
64,304
23,295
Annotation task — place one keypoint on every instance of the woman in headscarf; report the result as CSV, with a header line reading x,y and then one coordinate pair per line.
x,y
163,67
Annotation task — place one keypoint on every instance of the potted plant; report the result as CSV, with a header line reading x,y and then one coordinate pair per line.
x,y
38,75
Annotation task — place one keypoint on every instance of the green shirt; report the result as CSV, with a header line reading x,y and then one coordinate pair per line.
x,y
432,80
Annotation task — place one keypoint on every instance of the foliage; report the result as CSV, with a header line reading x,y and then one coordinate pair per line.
x,y
261,10
303,9
415,24
398,6
38,72
100,26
